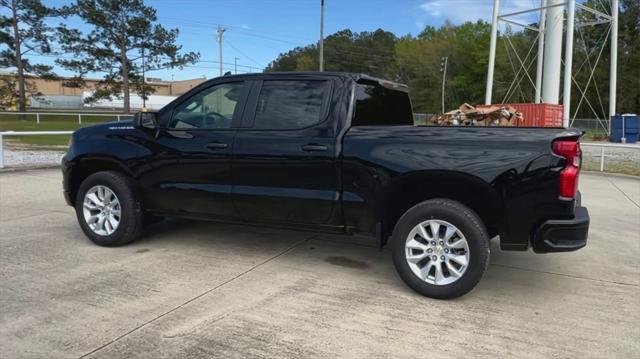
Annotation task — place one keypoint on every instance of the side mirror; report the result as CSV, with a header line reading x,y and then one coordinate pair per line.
x,y
145,120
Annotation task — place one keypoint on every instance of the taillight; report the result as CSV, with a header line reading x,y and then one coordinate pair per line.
x,y
570,150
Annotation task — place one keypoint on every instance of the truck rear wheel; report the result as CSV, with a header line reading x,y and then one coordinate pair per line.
x,y
440,248
107,209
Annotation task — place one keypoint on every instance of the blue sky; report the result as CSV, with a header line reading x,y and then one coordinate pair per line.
x,y
258,30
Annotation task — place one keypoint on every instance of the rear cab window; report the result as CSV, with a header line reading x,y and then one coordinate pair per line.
x,y
380,105
290,104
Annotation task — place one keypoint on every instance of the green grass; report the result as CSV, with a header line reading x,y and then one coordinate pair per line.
x,y
595,136
11,122
624,167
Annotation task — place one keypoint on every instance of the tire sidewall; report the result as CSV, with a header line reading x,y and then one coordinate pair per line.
x,y
128,208
467,222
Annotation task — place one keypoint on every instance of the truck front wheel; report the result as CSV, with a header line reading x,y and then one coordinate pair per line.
x,y
107,209
440,248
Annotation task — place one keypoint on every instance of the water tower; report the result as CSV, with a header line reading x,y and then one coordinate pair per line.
x,y
557,20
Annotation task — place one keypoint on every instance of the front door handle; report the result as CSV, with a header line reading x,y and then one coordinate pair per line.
x,y
216,145
314,147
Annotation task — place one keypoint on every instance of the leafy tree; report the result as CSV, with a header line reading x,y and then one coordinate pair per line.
x,y
24,31
419,61
416,61
121,31
298,59
9,94
306,63
628,99
369,52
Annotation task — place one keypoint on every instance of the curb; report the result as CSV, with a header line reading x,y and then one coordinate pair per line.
x,y
28,168
610,174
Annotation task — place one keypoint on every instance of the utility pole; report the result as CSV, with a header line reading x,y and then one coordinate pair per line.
x,y
221,30
492,52
444,77
568,63
235,65
541,27
144,83
321,46
613,69
552,64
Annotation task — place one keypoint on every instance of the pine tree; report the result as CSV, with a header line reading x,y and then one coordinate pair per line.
x,y
121,32
24,31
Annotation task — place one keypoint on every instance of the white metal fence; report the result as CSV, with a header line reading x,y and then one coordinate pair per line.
x,y
602,146
116,116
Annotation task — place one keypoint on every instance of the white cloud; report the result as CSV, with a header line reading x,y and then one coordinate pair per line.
x,y
459,11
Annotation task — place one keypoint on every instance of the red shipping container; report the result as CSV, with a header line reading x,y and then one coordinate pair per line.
x,y
536,114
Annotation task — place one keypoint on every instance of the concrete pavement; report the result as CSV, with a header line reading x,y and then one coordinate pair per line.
x,y
190,289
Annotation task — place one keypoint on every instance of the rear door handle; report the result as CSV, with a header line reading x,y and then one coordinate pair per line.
x,y
314,147
216,145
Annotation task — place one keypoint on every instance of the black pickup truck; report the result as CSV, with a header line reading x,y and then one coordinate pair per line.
x,y
333,152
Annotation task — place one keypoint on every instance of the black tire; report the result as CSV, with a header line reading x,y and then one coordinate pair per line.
x,y
462,217
131,219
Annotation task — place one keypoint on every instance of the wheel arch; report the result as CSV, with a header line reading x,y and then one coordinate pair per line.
x,y
85,167
410,189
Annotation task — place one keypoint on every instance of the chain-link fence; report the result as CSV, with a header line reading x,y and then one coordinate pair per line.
x,y
420,119
596,129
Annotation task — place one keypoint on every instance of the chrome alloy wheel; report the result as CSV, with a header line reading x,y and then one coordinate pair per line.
x,y
437,252
101,209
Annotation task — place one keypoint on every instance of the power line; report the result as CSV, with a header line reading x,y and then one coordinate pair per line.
x,y
246,32
243,54
231,69
203,24
241,31
225,63
299,44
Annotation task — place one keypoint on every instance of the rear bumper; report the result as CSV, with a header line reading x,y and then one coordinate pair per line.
x,y
563,235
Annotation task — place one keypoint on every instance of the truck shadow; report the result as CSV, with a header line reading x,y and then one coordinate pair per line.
x,y
335,255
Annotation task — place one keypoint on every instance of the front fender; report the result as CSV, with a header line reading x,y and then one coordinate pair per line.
x,y
93,151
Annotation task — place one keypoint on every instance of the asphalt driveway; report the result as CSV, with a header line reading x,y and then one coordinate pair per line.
x,y
190,289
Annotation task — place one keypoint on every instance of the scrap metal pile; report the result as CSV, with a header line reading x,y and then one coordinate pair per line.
x,y
468,115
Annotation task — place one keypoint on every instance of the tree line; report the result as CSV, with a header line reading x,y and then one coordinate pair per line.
x,y
120,35
418,62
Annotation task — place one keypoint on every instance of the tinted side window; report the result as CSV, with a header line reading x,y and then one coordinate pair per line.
x,y
290,104
377,105
211,108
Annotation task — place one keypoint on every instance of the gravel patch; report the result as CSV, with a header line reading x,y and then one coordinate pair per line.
x,y
611,154
23,158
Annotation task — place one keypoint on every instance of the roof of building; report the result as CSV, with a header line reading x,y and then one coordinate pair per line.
x,y
153,81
